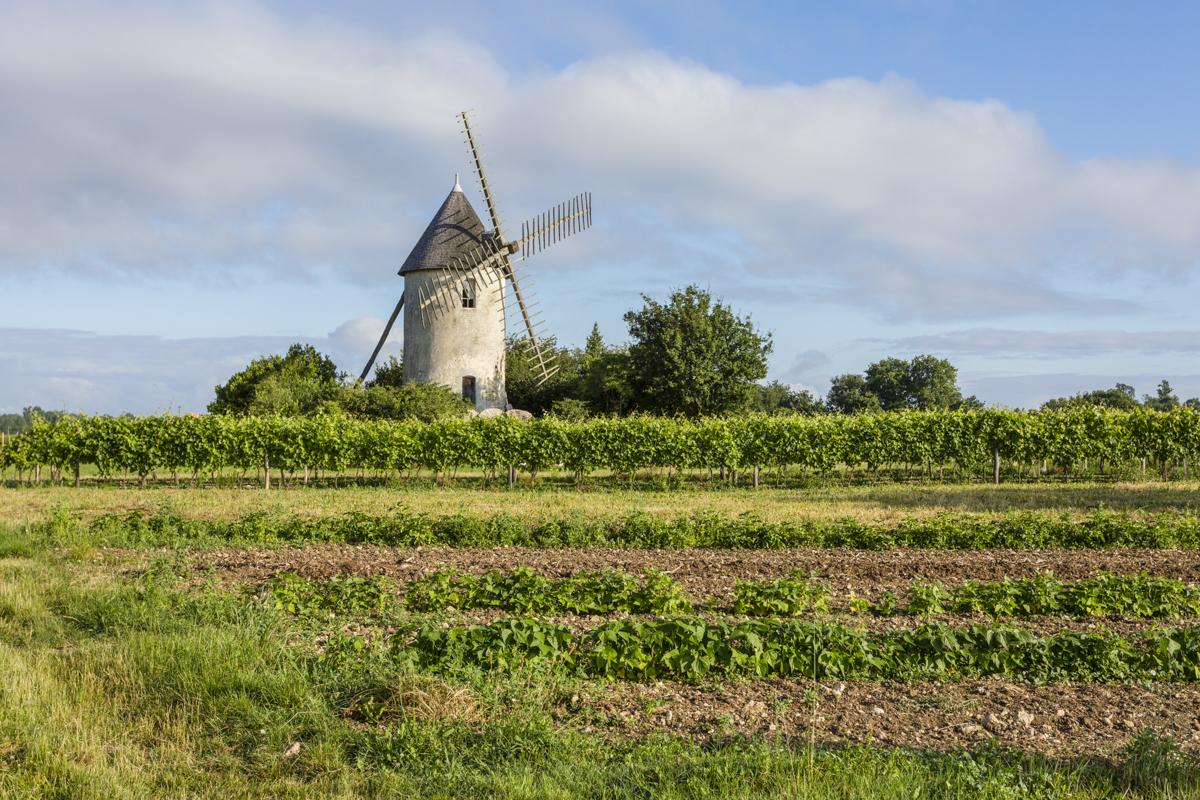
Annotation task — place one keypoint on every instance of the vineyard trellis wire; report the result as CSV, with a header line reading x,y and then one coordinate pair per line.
x,y
972,442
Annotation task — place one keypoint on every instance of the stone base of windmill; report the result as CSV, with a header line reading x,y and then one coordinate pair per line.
x,y
515,413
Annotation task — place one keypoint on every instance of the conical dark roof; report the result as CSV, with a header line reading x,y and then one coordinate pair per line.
x,y
454,230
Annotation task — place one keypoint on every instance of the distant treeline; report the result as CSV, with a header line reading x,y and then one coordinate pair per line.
x,y
19,423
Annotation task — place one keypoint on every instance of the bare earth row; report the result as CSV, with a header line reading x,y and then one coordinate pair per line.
x,y
705,572
1056,719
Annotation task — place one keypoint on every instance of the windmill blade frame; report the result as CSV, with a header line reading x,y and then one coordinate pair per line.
x,y
490,262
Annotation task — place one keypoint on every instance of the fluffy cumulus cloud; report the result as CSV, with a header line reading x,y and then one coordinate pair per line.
x,y
83,371
175,139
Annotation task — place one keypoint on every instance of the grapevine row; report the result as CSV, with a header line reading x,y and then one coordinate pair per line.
x,y
968,440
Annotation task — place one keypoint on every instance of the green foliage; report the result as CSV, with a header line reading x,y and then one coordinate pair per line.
x,y
848,394
695,649
604,376
779,398
965,440
523,591
785,597
1163,400
295,383
1138,596
523,378
19,423
388,373
1122,397
694,356
340,595
415,400
1017,530
893,384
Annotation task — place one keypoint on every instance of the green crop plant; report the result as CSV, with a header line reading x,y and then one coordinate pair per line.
x,y
967,441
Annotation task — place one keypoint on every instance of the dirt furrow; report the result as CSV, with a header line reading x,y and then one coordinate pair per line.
x,y
705,572
1056,719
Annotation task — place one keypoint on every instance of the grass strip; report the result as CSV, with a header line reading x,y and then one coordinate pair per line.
x,y
1017,530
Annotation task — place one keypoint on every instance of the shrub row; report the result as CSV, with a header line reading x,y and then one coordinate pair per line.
x,y
524,592
1015,530
918,439
692,649
1104,595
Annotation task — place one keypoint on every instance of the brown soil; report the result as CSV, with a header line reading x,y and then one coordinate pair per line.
x,y
707,572
1056,719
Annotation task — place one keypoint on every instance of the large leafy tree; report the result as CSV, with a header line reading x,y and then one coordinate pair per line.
x,y
693,356
298,382
889,380
848,394
893,384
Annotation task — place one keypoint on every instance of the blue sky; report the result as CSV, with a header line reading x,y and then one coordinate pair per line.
x,y
1014,186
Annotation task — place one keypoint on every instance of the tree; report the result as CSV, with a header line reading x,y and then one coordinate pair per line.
x,y
604,376
311,376
932,383
893,384
522,375
693,356
290,392
19,423
779,398
848,394
1122,396
388,373
890,381
1163,400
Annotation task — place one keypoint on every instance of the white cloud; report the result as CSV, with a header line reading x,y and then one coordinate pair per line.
x,y
82,371
180,138
1052,344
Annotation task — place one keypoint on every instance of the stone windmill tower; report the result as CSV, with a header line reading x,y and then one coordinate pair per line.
x,y
462,282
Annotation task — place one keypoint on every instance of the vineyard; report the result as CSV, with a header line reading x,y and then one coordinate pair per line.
x,y
970,444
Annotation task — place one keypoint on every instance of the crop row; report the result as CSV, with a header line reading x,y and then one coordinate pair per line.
x,y
520,590
524,592
1124,596
692,649
1014,530
971,440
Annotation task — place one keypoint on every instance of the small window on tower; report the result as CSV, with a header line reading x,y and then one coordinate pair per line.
x,y
468,293
468,392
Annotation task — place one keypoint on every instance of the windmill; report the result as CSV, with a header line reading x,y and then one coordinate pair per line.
x,y
461,285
